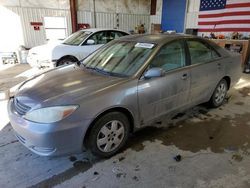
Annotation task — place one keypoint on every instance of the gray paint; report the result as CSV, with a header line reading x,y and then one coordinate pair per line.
x,y
148,100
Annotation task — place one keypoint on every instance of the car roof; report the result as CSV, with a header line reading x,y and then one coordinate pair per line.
x,y
101,29
155,38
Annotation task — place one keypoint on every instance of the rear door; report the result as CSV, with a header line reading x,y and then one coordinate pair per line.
x,y
205,70
159,96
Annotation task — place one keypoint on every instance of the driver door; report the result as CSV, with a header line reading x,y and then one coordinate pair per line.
x,y
159,96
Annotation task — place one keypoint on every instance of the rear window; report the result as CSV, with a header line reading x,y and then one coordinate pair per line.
x,y
201,52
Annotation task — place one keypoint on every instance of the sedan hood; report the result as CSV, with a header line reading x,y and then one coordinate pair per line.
x,y
52,51
42,52
63,86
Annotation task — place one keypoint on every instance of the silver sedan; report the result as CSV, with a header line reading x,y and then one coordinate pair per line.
x,y
126,85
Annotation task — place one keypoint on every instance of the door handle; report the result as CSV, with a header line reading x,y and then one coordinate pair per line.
x,y
219,65
184,76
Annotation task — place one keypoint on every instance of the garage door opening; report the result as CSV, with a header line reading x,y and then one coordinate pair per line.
x,y
55,28
11,36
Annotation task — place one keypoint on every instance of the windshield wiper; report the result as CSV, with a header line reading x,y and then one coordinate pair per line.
x,y
104,72
101,71
88,67
117,74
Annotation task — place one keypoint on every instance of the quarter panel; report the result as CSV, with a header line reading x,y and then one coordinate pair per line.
x,y
204,78
232,68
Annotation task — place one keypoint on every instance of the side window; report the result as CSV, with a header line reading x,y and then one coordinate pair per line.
x,y
119,34
110,36
171,56
99,38
200,52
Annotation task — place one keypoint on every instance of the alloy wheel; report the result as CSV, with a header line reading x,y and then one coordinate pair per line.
x,y
220,93
110,136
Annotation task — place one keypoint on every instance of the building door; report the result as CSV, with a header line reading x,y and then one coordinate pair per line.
x,y
173,15
55,28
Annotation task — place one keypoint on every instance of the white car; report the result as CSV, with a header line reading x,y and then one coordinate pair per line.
x,y
76,47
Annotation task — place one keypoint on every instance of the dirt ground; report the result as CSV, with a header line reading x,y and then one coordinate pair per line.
x,y
213,147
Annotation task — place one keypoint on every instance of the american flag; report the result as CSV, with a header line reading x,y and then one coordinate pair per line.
x,y
224,16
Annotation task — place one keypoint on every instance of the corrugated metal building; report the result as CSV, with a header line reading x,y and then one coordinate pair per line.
x,y
124,15
121,15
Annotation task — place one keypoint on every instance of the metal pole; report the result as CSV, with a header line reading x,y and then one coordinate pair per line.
x,y
94,13
73,13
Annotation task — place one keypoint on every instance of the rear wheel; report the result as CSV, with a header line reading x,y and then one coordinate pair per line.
x,y
219,94
66,61
109,134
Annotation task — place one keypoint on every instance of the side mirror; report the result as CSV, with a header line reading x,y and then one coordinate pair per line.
x,y
90,42
154,72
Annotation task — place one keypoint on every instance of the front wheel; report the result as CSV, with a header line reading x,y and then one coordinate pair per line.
x,y
66,61
109,134
219,94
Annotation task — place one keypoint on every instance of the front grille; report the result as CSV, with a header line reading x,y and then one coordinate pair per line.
x,y
20,108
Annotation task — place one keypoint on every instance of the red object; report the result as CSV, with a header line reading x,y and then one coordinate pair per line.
x,y
153,7
36,27
235,5
226,22
83,26
225,30
36,23
224,16
220,15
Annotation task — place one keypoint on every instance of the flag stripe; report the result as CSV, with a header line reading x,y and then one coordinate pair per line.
x,y
224,18
225,26
236,1
225,30
237,5
225,14
225,22
242,9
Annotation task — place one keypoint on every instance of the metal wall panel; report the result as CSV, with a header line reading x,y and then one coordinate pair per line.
x,y
128,22
193,6
192,14
85,17
105,20
155,19
33,37
125,22
37,37
192,20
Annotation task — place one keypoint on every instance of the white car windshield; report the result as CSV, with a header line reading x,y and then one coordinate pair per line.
x,y
121,58
76,38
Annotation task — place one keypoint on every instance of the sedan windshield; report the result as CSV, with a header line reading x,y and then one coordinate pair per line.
x,y
76,38
121,58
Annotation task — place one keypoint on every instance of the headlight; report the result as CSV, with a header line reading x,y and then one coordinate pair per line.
x,y
50,114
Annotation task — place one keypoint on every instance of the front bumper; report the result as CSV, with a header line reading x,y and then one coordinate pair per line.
x,y
52,139
35,62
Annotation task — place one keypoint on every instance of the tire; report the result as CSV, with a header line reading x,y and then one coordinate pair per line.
x,y
219,94
109,134
66,61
